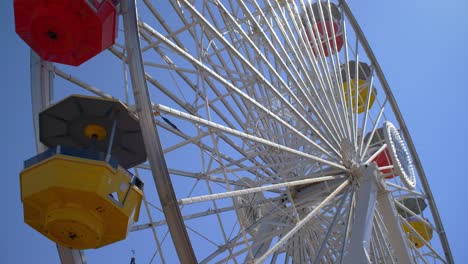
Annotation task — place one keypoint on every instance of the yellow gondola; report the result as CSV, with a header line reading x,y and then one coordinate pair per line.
x,y
79,202
361,79
79,193
423,229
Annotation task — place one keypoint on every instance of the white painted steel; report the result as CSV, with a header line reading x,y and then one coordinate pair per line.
x,y
229,89
301,223
255,189
395,234
366,193
150,135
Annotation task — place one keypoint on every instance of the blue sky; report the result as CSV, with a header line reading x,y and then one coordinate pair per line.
x,y
421,46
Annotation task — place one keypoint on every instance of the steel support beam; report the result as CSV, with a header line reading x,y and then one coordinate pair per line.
x,y
151,138
395,233
361,228
41,96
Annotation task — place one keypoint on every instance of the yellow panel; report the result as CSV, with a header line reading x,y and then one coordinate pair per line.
x,y
68,200
67,172
421,228
362,96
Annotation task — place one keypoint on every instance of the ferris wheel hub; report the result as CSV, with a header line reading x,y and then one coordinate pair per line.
x,y
349,156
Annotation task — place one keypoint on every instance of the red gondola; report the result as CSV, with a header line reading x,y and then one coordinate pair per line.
x,y
383,159
325,27
66,31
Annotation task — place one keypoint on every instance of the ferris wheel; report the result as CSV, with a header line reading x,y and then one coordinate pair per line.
x,y
224,131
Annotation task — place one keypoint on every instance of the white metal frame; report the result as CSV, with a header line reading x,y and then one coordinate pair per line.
x,y
294,120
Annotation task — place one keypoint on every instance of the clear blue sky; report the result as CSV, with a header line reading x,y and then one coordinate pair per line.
x,y
422,48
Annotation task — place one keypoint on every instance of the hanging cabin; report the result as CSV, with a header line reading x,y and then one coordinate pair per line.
x,y
79,193
67,31
418,231
360,76
324,27
383,159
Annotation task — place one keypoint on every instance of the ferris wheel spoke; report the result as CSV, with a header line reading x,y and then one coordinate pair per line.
x,y
243,135
353,99
349,109
334,68
331,227
382,234
219,96
366,111
186,79
356,95
255,189
257,242
251,68
315,232
412,192
418,255
261,107
295,49
191,140
204,213
253,245
262,242
326,68
345,105
377,252
300,224
375,154
237,163
76,81
278,56
265,240
220,222
201,176
232,243
153,81
338,74
265,169
400,205
374,249
242,228
374,128
347,225
209,149
160,18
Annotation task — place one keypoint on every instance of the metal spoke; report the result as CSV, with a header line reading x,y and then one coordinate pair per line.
x,y
300,224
